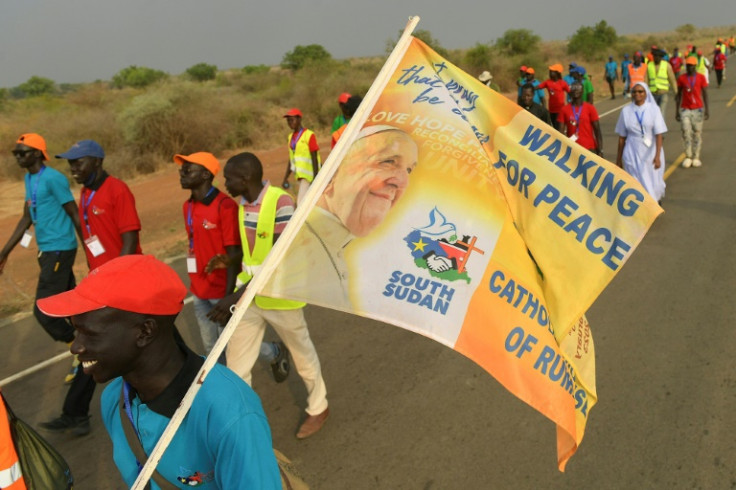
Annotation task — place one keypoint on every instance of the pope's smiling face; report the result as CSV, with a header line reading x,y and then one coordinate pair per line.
x,y
370,180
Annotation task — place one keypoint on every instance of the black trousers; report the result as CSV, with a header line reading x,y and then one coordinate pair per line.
x,y
56,277
79,396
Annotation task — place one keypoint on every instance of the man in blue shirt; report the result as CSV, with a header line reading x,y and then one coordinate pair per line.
x,y
124,314
625,74
611,75
50,208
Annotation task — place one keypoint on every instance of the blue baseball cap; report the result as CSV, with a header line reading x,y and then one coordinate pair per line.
x,y
84,148
578,69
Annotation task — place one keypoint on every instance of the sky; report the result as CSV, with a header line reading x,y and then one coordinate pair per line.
x,y
73,41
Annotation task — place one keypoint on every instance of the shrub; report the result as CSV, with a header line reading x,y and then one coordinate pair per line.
x,y
302,55
685,30
36,86
478,57
593,42
256,69
518,41
201,72
137,77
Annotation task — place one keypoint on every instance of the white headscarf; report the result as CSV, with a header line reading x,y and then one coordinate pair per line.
x,y
650,97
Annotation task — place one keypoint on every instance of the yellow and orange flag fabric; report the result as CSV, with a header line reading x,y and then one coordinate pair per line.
x,y
458,215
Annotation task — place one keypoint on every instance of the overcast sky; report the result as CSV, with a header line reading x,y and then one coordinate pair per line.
x,y
84,40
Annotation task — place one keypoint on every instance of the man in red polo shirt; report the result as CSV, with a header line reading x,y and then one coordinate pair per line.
x,y
110,227
556,87
692,110
215,253
580,121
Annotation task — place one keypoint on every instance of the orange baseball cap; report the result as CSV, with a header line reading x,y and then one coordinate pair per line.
x,y
293,112
343,97
137,283
691,60
530,70
556,67
35,141
207,160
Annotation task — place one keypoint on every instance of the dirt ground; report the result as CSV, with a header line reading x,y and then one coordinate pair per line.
x,y
158,200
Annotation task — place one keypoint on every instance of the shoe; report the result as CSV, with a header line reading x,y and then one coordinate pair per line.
x,y
281,366
79,426
697,163
312,424
72,372
686,163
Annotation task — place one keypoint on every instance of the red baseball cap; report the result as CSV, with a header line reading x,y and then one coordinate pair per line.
x,y
207,160
293,112
135,283
35,141
343,97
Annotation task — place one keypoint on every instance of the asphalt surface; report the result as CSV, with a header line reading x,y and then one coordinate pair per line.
x,y
408,413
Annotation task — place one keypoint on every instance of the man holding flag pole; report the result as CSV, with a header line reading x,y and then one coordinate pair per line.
x,y
465,257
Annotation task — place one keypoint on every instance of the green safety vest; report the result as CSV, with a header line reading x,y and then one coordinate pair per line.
x,y
700,67
263,244
300,158
658,81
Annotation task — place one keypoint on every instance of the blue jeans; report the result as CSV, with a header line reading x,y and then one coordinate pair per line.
x,y
210,331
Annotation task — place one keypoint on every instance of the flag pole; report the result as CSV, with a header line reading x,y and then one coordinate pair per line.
x,y
280,248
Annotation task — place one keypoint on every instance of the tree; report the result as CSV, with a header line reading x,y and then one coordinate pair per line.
x,y
35,86
478,57
518,41
686,30
425,36
593,42
137,77
201,72
301,55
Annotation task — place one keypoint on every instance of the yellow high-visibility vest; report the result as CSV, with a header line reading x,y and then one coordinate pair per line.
x,y
300,158
659,80
252,260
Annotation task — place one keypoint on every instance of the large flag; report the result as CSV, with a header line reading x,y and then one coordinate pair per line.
x,y
460,216
447,210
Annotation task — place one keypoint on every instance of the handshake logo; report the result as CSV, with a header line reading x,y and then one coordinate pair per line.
x,y
436,247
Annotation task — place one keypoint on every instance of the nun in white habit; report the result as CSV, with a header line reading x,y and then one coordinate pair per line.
x,y
640,128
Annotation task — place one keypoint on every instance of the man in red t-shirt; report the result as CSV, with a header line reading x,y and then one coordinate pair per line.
x,y
215,252
580,121
719,65
110,228
692,110
556,87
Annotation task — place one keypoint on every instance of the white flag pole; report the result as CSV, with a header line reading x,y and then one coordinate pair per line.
x,y
280,247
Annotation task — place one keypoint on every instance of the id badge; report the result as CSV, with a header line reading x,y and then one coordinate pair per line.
x,y
94,246
26,239
191,264
647,141
574,137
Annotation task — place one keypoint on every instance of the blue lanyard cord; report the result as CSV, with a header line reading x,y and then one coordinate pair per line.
x,y
295,139
129,413
640,118
34,191
577,115
190,220
85,206
691,81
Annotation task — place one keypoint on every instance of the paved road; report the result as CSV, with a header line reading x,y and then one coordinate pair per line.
x,y
408,413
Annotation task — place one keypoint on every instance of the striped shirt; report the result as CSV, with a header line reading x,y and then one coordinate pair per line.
x,y
284,211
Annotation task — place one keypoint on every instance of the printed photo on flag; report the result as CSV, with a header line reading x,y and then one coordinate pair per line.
x,y
459,216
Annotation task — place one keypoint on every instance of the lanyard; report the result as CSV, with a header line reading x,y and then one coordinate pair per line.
x,y
85,206
295,139
577,115
640,118
692,80
190,220
129,413
32,207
